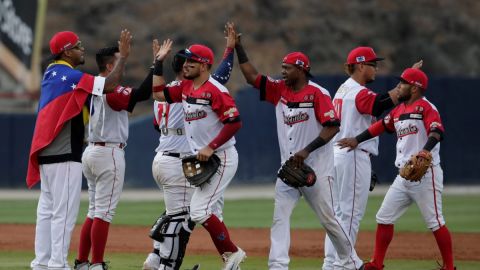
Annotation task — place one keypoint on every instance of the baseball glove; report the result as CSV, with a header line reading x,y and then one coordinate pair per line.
x,y
297,177
417,166
199,172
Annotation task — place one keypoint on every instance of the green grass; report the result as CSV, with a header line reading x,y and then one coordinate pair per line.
x,y
131,261
461,213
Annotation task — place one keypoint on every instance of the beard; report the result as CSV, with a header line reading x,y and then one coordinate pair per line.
x,y
404,98
369,81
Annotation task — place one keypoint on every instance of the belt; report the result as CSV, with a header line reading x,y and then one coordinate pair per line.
x,y
119,145
172,131
177,155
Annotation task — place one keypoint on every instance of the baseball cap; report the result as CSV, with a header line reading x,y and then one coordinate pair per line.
x,y
62,41
199,53
300,60
415,76
361,55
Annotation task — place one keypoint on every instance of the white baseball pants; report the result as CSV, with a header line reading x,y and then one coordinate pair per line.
x,y
320,198
352,181
427,194
208,199
56,214
104,168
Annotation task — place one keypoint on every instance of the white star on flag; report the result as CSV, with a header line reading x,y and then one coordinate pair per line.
x,y
73,86
54,73
64,78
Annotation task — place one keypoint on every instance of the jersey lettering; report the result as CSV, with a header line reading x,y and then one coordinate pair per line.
x,y
295,119
195,115
410,130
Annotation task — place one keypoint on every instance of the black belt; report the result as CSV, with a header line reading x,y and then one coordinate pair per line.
x,y
177,155
119,145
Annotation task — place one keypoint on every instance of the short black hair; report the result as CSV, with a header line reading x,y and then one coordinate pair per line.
x,y
178,61
105,56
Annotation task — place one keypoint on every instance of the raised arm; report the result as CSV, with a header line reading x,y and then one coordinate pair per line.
x,y
114,78
224,70
248,70
158,79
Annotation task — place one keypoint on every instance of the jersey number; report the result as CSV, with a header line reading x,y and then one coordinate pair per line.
x,y
337,104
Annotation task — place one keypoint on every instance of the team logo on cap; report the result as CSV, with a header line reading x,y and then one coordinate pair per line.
x,y
360,58
299,62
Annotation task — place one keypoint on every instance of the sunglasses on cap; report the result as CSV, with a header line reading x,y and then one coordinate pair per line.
x,y
372,64
78,46
191,55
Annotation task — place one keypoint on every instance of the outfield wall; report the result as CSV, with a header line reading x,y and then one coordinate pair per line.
x,y
257,144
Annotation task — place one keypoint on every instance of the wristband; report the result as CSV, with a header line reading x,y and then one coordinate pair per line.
x,y
241,54
315,144
158,68
431,142
363,136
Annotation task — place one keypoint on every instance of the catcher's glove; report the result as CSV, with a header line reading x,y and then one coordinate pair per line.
x,y
199,172
295,176
417,166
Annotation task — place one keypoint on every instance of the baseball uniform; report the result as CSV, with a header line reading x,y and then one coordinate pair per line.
x,y
168,174
413,121
104,163
55,158
301,115
355,105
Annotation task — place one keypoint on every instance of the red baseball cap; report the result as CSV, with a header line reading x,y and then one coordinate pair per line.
x,y
199,53
62,41
361,55
298,59
415,76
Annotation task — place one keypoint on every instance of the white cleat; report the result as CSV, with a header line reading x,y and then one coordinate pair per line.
x,y
233,260
152,262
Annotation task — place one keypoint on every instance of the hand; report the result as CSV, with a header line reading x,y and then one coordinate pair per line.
x,y
230,34
164,50
300,157
155,48
205,153
352,143
124,43
418,64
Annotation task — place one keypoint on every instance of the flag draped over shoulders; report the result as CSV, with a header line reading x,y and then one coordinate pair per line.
x,y
63,93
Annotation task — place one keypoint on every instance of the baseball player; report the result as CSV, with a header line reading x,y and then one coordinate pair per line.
x,y
55,154
419,128
167,168
104,159
211,120
306,122
357,107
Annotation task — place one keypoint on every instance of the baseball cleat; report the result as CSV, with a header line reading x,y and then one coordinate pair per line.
x,y
233,260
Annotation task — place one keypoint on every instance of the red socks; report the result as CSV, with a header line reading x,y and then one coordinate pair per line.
x,y
444,242
99,235
383,238
85,241
219,234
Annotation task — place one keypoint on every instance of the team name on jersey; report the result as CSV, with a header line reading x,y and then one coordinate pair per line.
x,y
411,129
195,115
295,119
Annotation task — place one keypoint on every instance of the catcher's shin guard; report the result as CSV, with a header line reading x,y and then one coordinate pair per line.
x,y
176,234
158,227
